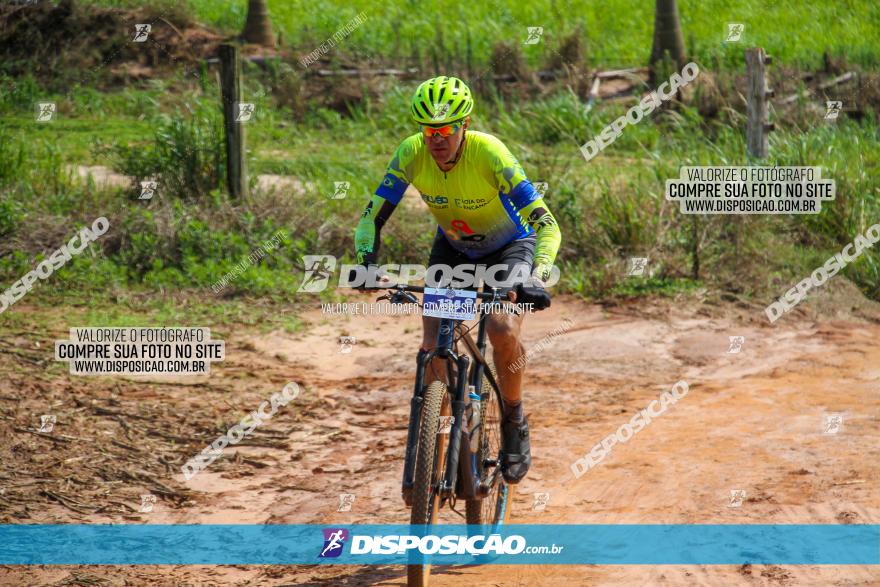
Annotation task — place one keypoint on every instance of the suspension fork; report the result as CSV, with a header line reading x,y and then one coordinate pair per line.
x,y
415,417
442,348
458,405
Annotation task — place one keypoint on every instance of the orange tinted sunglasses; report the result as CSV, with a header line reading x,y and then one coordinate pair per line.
x,y
443,131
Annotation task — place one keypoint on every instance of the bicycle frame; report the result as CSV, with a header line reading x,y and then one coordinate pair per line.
x,y
458,382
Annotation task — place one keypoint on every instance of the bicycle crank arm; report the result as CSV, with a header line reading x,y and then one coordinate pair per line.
x,y
486,487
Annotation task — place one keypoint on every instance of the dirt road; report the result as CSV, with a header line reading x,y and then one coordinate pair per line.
x,y
754,421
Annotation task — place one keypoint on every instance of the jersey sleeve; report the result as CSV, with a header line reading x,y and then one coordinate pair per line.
x,y
508,173
398,174
382,203
369,228
549,237
529,204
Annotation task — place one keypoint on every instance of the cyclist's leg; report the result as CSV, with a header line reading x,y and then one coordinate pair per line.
x,y
504,333
515,263
504,329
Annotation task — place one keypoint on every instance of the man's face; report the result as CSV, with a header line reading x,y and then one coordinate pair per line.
x,y
443,149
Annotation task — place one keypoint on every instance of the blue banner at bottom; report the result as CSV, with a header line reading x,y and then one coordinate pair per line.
x,y
643,544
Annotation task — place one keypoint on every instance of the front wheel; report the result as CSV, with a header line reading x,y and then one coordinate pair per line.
x,y
494,508
430,470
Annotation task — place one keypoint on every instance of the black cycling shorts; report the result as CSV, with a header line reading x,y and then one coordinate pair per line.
x,y
513,263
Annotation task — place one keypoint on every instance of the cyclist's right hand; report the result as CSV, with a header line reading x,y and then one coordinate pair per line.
x,y
372,275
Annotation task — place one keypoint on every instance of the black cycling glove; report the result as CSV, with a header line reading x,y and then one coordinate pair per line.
x,y
532,294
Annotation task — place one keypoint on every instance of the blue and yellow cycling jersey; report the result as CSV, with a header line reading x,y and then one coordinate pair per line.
x,y
483,203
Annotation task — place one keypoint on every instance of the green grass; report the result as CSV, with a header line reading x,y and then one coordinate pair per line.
x,y
616,33
610,208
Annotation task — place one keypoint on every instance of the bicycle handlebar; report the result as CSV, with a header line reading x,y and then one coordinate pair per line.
x,y
499,292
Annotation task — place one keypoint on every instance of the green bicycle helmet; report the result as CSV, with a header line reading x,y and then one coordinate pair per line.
x,y
441,100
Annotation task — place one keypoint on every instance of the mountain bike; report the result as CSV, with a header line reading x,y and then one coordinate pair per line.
x,y
445,461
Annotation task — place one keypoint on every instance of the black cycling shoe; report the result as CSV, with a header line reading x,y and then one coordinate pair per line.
x,y
516,456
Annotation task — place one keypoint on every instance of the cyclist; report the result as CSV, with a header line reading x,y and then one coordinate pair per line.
x,y
488,213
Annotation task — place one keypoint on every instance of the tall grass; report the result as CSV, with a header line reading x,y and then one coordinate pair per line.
x,y
609,209
186,154
616,32
613,207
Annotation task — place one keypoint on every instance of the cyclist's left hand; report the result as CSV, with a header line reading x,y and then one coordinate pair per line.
x,y
530,292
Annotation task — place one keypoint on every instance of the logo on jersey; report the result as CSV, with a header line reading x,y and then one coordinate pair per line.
x,y
334,540
436,201
541,218
470,204
460,231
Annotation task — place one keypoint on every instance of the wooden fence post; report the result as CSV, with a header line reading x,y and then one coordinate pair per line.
x,y
230,90
758,113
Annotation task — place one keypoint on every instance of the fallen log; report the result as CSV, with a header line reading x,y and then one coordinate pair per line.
x,y
823,86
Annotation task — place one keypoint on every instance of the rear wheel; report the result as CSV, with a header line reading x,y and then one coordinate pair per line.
x,y
430,470
494,508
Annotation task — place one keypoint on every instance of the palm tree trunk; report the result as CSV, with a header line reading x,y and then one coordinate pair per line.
x,y
667,34
258,28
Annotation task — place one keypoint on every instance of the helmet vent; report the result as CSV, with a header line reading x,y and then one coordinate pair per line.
x,y
425,111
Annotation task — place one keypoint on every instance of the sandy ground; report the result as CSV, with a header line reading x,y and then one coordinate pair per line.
x,y
105,177
752,421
